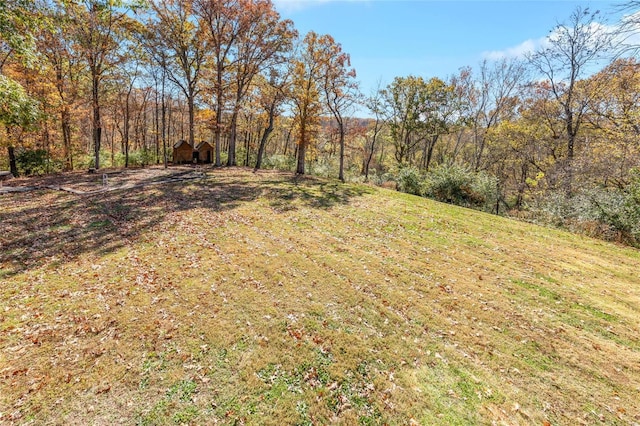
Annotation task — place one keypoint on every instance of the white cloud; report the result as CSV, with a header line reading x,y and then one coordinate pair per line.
x,y
517,52
629,35
529,46
290,6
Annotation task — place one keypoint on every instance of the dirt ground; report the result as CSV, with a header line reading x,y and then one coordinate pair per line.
x,y
83,182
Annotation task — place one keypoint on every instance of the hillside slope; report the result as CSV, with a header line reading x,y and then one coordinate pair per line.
x,y
240,298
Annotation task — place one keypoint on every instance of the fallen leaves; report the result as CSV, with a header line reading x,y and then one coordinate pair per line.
x,y
342,297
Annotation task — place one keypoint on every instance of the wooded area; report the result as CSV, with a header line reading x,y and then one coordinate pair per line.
x,y
116,83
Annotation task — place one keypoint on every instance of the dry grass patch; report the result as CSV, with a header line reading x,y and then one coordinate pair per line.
x,y
242,298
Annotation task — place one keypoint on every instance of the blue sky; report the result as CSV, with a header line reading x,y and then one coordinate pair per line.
x,y
389,38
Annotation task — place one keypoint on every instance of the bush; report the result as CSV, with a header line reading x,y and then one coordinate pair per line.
x,y
411,181
632,204
88,161
611,214
457,185
140,158
323,168
485,187
36,162
279,162
136,159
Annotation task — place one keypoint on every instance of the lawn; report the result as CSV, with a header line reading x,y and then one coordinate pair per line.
x,y
240,298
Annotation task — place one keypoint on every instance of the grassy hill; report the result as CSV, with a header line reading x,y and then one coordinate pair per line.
x,y
240,298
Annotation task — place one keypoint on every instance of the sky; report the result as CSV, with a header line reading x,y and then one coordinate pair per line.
x,y
431,38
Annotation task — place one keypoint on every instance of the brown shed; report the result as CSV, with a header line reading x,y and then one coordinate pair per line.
x,y
182,152
205,152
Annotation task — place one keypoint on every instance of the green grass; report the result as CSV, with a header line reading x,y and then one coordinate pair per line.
x,y
243,298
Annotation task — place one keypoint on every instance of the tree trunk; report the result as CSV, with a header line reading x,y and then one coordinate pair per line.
x,y
479,144
231,152
286,143
13,167
111,140
217,142
65,119
341,171
97,129
265,136
301,154
367,161
164,123
125,130
571,137
301,148
430,145
191,107
247,146
156,119
218,128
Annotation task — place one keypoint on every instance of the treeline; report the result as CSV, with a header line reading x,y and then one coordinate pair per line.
x,y
552,137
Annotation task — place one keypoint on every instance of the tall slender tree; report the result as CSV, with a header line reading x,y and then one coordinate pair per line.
x,y
62,67
17,107
262,43
341,92
177,42
98,30
306,94
572,49
272,94
373,104
223,26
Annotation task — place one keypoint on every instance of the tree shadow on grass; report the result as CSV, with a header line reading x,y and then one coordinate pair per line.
x,y
49,228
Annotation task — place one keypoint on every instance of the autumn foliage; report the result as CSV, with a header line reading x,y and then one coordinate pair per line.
x,y
103,83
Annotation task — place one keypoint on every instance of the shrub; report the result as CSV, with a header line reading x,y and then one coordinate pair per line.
x,y
278,162
410,180
612,214
140,158
457,185
382,179
323,168
450,184
485,186
36,162
88,160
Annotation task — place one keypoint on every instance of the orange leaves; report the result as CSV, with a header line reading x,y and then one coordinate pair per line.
x,y
301,336
295,333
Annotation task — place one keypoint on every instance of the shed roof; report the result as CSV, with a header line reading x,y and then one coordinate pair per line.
x,y
180,143
203,144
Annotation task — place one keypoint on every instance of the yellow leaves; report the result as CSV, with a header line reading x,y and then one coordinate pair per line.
x,y
533,182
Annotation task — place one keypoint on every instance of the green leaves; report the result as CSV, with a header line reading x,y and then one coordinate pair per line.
x,y
17,108
417,111
15,34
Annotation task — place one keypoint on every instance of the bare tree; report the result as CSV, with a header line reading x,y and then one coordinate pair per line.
x,y
485,99
374,104
572,48
341,92
272,94
629,26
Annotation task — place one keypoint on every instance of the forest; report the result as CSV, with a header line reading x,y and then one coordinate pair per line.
x,y
552,138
